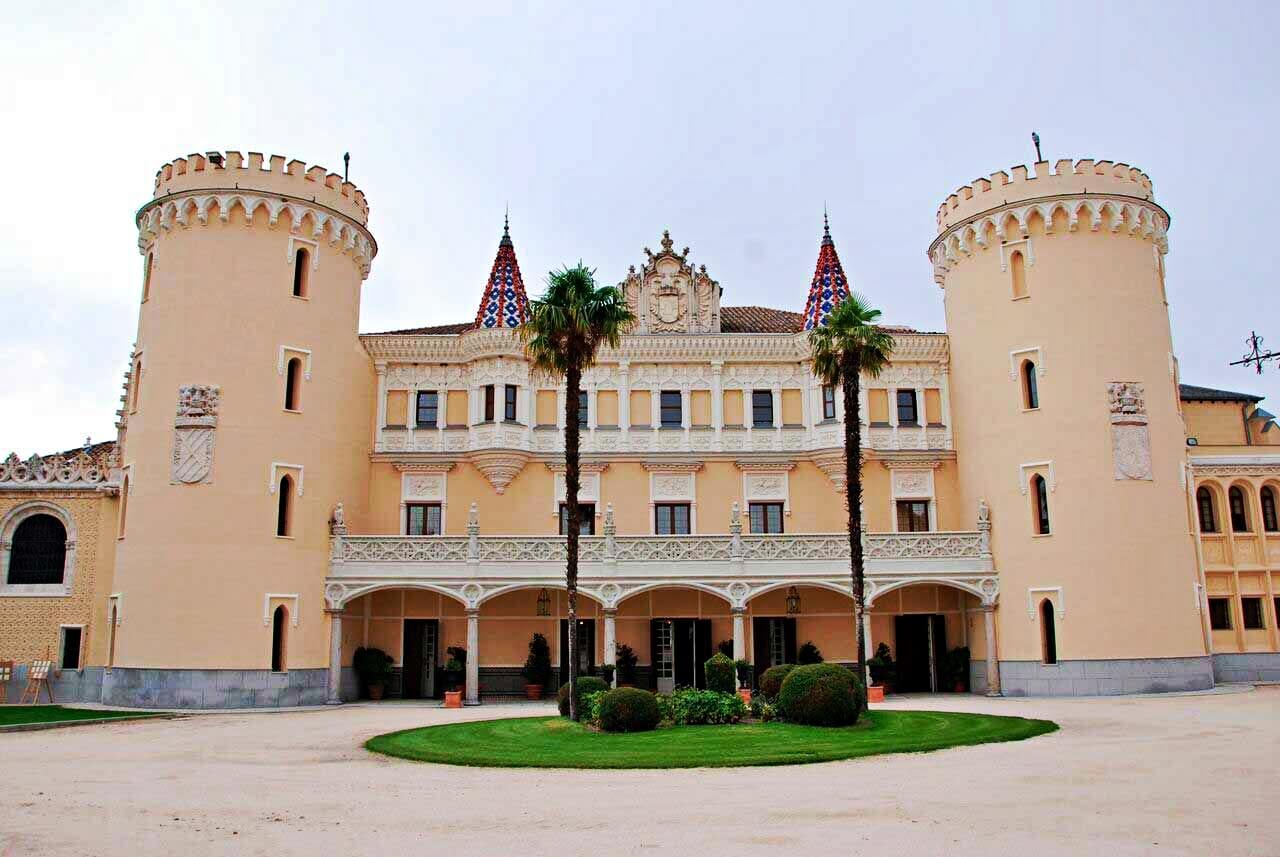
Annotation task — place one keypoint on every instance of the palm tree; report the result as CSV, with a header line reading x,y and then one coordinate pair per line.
x,y
848,344
566,328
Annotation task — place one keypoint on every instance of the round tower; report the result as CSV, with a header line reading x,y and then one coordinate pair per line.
x,y
248,420
1067,423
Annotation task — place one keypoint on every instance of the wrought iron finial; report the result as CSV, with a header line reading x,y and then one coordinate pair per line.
x,y
1255,356
826,226
1035,138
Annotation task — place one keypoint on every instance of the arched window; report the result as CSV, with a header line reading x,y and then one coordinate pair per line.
x,y
1204,501
1018,267
1048,633
1040,494
124,504
1269,519
1239,518
284,512
38,552
293,385
1030,392
300,270
146,277
279,639
135,392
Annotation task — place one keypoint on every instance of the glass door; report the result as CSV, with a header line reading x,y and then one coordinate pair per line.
x,y
665,649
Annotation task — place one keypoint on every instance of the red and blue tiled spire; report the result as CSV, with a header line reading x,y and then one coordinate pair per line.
x,y
504,303
829,283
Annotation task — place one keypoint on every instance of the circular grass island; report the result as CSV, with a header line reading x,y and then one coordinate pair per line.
x,y
556,742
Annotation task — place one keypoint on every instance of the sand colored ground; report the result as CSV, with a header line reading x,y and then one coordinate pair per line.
x,y
1182,775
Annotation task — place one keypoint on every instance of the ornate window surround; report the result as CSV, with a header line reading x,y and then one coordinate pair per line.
x,y
273,475
589,485
669,471
1036,355
9,524
756,488
899,491
407,495
1055,595
280,597
312,248
296,351
1026,470
1007,249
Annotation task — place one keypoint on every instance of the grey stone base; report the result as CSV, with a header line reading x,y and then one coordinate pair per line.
x,y
1247,666
977,676
1104,678
181,688
83,685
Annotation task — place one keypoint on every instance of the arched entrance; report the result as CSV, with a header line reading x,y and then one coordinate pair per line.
x,y
671,631
789,623
509,619
416,627
932,631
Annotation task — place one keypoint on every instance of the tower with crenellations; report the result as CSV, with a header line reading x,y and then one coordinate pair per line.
x,y
1067,417
249,420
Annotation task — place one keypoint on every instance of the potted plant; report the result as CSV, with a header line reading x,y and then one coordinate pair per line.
x,y
372,666
743,668
607,672
808,653
957,669
455,669
537,667
883,673
627,660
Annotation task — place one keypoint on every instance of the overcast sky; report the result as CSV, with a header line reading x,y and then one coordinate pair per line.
x,y
730,125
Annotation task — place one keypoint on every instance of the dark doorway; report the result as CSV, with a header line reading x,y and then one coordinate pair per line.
x,y
678,649
922,645
419,673
586,648
773,642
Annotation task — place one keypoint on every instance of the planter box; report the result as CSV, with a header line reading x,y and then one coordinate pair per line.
x,y
875,693
453,699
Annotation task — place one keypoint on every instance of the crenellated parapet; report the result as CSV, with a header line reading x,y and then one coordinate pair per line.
x,y
1099,195
311,201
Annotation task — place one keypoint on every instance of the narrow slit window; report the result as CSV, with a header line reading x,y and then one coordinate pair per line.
x,y
1018,271
301,272
293,385
1040,501
584,408
488,403
1269,521
284,509
828,402
146,276
1030,389
279,639
1239,517
509,403
1204,500
1048,633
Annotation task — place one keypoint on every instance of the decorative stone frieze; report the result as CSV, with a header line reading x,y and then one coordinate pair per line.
x,y
500,467
1130,442
193,434
81,470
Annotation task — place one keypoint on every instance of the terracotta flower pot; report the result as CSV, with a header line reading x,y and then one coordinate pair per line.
x,y
453,699
875,693
533,691
376,691
744,693
959,686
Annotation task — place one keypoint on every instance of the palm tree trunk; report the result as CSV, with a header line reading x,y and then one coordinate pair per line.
x,y
573,384
853,497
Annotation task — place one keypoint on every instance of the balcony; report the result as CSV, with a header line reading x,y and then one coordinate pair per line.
x,y
474,568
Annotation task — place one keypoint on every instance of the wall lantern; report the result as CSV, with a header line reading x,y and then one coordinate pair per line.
x,y
544,603
793,601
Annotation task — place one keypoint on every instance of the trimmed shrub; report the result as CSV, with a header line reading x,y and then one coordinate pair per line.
x,y
586,684
719,672
589,712
725,647
771,681
627,709
808,653
689,707
821,695
537,667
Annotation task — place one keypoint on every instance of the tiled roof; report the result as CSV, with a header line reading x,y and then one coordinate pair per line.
x,y
829,286
94,449
436,330
504,303
1192,393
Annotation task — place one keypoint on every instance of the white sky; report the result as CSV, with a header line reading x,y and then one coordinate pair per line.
x,y
730,125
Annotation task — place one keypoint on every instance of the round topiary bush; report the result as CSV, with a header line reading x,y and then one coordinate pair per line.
x,y
821,695
719,672
586,684
771,681
629,709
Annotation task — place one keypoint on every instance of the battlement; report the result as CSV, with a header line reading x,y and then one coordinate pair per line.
x,y
1083,176
266,175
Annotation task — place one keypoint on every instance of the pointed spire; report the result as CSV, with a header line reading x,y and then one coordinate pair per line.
x,y
504,303
829,285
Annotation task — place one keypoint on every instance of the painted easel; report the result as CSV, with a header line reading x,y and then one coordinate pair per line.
x,y
37,678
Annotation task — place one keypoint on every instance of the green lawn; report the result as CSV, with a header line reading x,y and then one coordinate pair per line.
x,y
12,715
555,742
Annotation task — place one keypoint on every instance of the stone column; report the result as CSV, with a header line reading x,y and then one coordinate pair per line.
x,y
473,656
739,633
624,398
611,639
335,657
993,663
381,369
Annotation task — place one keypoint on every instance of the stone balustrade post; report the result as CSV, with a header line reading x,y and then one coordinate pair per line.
x,y
334,695
473,532
611,639
473,656
993,662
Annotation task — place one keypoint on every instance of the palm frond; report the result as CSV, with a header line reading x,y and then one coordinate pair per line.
x,y
850,329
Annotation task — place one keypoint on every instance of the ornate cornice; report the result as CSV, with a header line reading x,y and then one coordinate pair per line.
x,y
673,466
584,466
765,465
424,466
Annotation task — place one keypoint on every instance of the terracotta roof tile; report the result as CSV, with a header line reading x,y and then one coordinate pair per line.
x,y
1192,393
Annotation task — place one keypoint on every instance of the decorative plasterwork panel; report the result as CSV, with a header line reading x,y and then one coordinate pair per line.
x,y
672,486
1033,353
1130,442
1008,247
427,487
914,484
312,247
193,434
588,490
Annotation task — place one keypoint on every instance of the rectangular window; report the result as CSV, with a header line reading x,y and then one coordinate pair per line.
x,y
586,521
777,642
671,519
913,516
509,404
1220,614
766,518
1251,610
423,519
907,415
583,408
762,408
671,409
488,403
828,403
70,647
428,409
